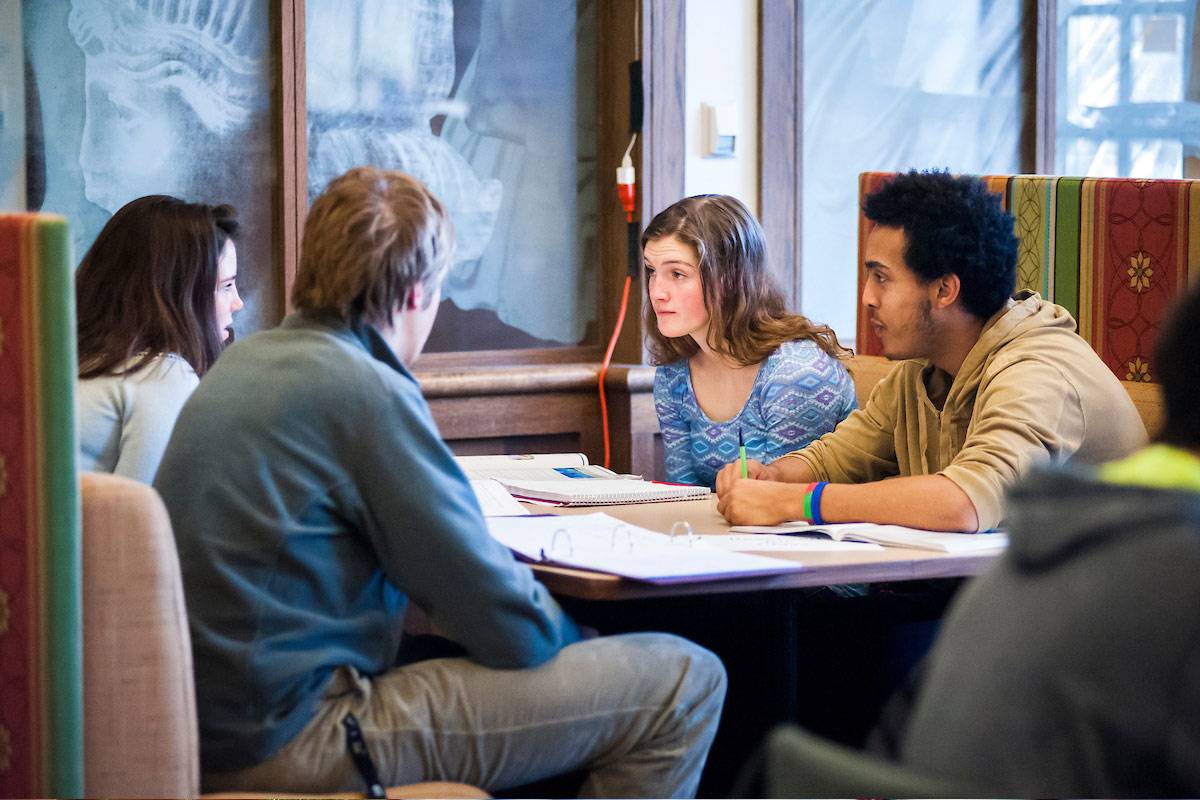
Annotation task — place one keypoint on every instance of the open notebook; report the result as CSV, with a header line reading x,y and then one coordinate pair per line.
x,y
606,544
889,536
568,479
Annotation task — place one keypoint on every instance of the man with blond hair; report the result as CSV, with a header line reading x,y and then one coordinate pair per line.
x,y
312,499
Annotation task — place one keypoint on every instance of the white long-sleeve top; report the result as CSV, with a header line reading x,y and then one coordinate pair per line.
x,y
125,421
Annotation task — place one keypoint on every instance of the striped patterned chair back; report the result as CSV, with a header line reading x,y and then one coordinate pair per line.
x,y
1112,251
41,641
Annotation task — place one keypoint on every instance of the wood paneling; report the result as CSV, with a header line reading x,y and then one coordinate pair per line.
x,y
292,135
663,140
1038,49
549,408
617,47
532,408
780,135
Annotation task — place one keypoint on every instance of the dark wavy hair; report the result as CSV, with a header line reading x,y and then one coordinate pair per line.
x,y
748,318
1177,361
145,286
952,224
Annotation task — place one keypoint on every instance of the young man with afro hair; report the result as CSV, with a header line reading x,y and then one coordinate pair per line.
x,y
989,383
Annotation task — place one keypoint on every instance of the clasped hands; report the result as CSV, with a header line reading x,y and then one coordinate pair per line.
x,y
758,499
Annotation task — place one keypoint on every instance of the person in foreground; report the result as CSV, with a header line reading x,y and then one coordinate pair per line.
x,y
733,363
1072,667
990,383
155,296
312,499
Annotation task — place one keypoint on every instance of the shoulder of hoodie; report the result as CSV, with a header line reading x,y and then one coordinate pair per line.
x,y
1060,513
1035,331
1031,330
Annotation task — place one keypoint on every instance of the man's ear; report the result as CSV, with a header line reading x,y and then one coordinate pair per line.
x,y
948,287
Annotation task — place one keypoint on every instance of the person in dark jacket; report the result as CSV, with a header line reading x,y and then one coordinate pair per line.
x,y
1072,668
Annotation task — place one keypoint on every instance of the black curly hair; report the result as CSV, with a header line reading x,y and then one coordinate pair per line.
x,y
952,224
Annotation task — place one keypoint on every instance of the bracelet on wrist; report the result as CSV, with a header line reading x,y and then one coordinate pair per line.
x,y
817,491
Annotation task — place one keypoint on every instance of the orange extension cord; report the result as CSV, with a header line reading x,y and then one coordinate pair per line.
x,y
612,343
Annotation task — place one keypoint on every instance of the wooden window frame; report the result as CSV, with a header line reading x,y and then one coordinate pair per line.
x,y
781,120
656,28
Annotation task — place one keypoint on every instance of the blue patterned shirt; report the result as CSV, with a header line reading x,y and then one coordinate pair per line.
x,y
800,394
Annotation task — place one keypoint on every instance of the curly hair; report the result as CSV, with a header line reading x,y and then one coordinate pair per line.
x,y
748,318
952,224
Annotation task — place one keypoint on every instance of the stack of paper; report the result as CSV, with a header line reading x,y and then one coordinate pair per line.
x,y
568,479
495,501
606,544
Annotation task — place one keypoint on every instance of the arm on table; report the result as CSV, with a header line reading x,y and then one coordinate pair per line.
x,y
921,501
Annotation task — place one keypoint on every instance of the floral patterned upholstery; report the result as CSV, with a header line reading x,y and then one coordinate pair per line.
x,y
1113,251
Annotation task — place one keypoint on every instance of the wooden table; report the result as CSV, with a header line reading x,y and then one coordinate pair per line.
x,y
820,568
762,628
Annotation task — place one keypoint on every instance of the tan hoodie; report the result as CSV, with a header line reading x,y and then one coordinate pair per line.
x,y
1029,391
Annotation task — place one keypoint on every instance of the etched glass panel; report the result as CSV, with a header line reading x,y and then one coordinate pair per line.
x,y
492,105
105,101
892,86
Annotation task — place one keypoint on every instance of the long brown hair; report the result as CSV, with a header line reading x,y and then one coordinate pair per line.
x,y
748,318
145,286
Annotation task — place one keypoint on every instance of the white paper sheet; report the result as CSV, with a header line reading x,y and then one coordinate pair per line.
x,y
606,544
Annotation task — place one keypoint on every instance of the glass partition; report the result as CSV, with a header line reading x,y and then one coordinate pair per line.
x,y
492,104
1129,98
893,86
104,101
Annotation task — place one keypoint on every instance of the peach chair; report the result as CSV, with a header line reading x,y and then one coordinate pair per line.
x,y
140,729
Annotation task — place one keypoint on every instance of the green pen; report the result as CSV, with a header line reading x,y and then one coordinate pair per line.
x,y
742,453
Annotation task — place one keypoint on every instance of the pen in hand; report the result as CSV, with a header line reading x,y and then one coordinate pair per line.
x,y
742,453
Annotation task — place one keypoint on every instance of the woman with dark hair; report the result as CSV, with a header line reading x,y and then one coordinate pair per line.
x,y
155,296
734,364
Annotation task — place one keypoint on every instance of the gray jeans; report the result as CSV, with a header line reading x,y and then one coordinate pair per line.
x,y
638,712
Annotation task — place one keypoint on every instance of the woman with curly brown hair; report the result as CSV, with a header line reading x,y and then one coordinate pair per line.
x,y
734,364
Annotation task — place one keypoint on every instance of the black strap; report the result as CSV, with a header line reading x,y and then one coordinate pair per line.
x,y
357,746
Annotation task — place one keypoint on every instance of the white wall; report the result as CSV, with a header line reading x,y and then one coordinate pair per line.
x,y
722,67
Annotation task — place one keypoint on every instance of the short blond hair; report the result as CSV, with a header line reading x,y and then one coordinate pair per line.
x,y
370,238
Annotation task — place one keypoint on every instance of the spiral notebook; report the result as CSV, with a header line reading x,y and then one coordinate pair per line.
x,y
606,544
568,479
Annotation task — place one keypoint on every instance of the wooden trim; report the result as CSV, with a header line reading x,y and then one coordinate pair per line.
x,y
780,138
617,47
664,136
490,382
525,379
659,159
1041,51
292,122
662,146
631,378
509,358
